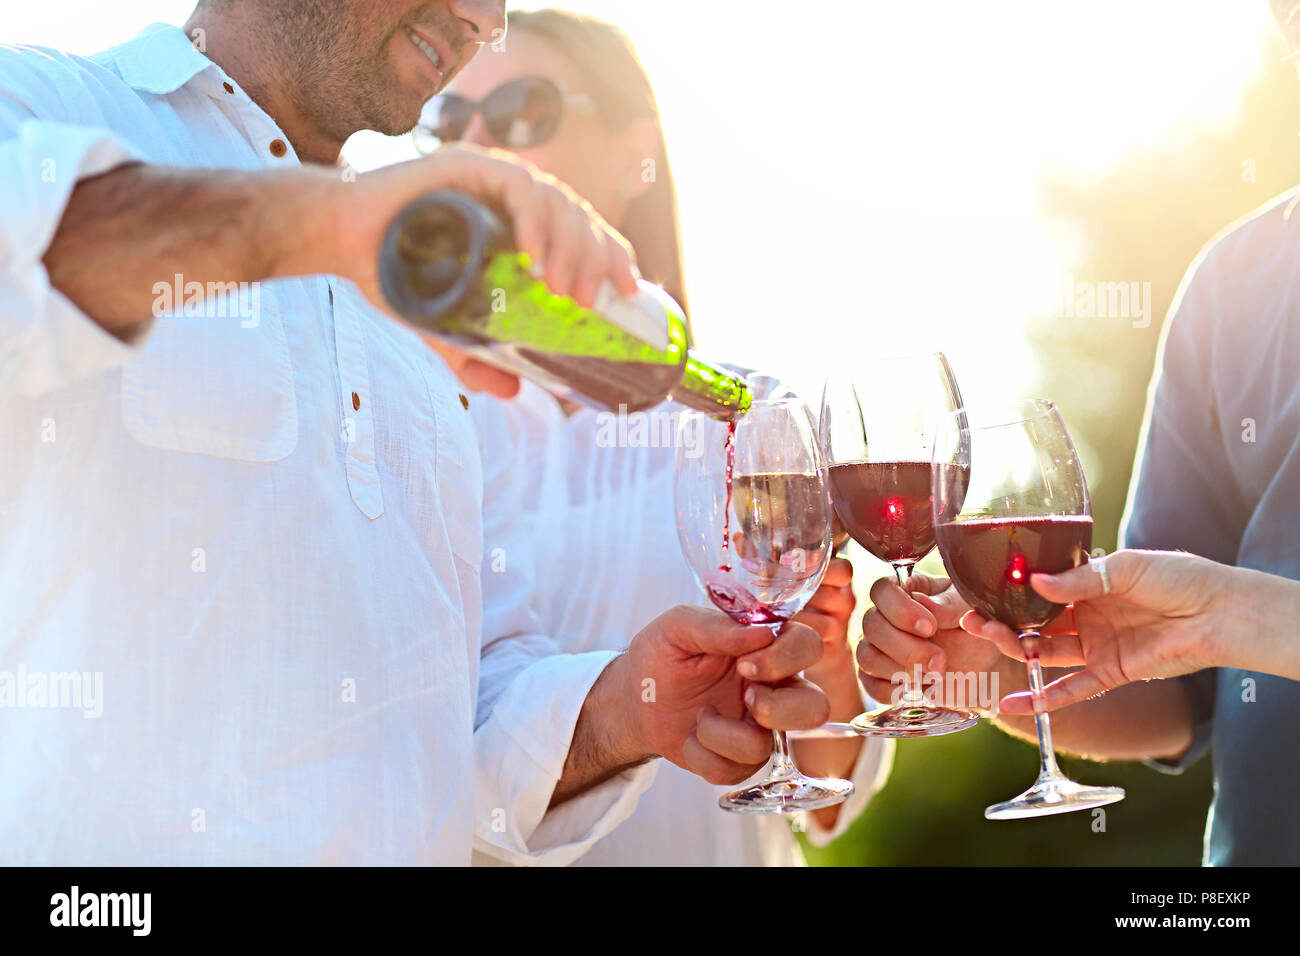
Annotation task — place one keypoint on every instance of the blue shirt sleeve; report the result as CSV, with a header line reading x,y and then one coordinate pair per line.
x,y
1183,496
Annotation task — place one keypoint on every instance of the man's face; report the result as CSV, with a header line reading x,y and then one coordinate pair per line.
x,y
372,64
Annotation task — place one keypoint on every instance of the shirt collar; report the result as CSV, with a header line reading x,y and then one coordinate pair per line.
x,y
160,59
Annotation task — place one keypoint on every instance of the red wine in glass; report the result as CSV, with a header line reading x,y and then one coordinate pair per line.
x,y
877,431
1011,500
991,559
885,507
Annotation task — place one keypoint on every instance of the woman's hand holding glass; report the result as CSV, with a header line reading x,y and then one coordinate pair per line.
x,y
1145,615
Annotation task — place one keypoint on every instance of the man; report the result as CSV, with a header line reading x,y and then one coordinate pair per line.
x,y
260,597
1218,475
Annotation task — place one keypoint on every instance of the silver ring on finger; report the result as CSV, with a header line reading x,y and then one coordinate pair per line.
x,y
1104,575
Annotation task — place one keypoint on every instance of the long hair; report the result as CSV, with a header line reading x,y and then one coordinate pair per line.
x,y
617,84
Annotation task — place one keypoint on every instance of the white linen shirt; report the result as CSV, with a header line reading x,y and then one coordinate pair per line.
x,y
264,538
602,514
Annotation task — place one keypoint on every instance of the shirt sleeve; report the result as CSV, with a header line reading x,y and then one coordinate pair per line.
x,y
1183,496
530,695
45,341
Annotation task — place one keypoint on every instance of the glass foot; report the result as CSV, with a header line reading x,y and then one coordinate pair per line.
x,y
902,720
1051,795
788,795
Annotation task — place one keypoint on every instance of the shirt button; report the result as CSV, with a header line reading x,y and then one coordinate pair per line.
x,y
278,148
464,402
356,402
227,87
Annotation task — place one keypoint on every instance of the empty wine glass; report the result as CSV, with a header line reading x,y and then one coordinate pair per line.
x,y
877,428
754,522
1010,500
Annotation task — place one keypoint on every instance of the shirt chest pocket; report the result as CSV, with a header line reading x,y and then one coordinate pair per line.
x,y
218,383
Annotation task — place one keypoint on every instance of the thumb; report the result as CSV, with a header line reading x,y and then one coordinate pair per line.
x,y
712,632
1070,689
947,607
1083,583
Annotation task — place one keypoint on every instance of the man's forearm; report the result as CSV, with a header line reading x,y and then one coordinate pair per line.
x,y
138,225
1134,722
605,743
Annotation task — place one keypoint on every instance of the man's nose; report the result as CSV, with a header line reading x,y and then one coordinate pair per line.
x,y
486,19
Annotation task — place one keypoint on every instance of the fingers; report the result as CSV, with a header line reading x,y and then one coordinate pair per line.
x,y
898,627
947,606
877,689
898,608
738,741
920,583
1088,581
1067,690
1058,650
796,647
620,261
796,704
878,673
707,751
527,213
828,627
1002,637
839,574
835,601
568,233
571,248
702,630
593,253
723,750
577,251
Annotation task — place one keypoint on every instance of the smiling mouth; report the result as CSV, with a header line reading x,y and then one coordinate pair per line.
x,y
430,53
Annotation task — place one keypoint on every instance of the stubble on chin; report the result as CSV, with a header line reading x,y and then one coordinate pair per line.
x,y
338,87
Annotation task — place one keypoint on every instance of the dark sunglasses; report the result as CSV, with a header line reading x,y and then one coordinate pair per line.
x,y
519,113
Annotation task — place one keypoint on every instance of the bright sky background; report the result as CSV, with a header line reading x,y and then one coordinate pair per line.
x,y
806,138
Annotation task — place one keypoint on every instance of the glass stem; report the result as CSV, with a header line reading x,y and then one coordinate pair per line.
x,y
1047,766
912,693
782,762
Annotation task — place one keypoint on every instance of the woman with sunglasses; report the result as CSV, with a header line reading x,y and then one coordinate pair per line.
x,y
568,93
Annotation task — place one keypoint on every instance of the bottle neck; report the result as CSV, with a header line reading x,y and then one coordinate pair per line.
x,y
711,390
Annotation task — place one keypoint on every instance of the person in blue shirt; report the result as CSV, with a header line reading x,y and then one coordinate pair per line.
x,y
1219,477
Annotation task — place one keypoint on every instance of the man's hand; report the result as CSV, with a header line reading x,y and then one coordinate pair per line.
x,y
705,692
573,248
698,689
921,627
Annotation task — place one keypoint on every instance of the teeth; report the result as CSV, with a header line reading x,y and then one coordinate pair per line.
x,y
425,48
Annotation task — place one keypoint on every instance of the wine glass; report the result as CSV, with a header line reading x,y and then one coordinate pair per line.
x,y
877,432
1010,499
754,522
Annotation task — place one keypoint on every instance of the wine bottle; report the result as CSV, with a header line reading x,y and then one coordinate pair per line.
x,y
448,265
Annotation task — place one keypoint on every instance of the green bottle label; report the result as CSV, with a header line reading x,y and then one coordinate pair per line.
x,y
510,306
